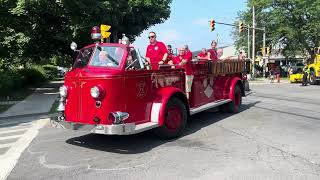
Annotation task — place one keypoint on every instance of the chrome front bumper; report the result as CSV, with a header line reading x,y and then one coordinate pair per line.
x,y
119,129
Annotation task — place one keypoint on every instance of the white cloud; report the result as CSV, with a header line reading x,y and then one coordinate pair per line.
x,y
200,22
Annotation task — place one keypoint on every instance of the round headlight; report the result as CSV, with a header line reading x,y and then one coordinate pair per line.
x,y
95,92
63,91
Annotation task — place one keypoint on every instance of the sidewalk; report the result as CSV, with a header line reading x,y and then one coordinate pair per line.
x,y
40,102
267,81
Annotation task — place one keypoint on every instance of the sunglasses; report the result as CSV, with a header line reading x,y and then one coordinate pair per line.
x,y
151,37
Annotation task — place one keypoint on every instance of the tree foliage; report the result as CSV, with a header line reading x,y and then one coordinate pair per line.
x,y
292,25
35,31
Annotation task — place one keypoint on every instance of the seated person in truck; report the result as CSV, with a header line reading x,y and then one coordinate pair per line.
x,y
185,62
203,56
103,59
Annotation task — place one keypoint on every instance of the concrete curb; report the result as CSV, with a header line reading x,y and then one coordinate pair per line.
x,y
47,114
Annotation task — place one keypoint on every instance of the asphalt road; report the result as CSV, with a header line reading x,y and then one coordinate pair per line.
x,y
275,136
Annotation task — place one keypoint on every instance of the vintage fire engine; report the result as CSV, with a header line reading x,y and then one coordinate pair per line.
x,y
123,96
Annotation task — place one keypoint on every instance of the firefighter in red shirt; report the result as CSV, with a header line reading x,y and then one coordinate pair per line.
x,y
188,53
184,61
156,52
213,52
203,56
170,54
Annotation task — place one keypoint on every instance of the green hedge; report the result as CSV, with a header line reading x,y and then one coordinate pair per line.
x,y
13,80
51,71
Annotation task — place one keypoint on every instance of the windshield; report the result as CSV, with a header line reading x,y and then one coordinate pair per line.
x,y
107,56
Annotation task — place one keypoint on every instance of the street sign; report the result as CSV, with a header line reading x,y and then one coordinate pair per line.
x,y
104,31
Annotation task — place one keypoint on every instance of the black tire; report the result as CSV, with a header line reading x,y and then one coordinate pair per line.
x,y
233,106
167,132
246,85
312,78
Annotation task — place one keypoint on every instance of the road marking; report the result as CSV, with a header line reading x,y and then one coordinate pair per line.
x,y
13,130
6,145
11,157
10,137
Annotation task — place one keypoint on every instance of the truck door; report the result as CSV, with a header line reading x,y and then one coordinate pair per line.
x,y
138,89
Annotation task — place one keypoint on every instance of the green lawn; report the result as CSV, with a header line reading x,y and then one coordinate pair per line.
x,y
3,108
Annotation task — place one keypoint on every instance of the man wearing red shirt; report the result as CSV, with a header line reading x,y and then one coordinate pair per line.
x,y
156,52
213,52
184,60
188,53
203,56
170,54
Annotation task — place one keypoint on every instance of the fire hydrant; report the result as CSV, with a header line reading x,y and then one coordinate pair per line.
x,y
278,78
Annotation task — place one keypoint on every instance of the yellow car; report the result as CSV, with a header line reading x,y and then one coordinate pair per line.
x,y
294,78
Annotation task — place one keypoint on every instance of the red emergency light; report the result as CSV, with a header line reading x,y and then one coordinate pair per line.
x,y
96,33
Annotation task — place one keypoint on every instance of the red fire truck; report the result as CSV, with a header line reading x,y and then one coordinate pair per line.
x,y
124,96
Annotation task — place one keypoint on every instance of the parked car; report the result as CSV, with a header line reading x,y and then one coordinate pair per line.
x,y
61,71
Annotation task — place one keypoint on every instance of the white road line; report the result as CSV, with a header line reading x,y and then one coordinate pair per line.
x,y
10,137
11,157
16,122
13,130
6,145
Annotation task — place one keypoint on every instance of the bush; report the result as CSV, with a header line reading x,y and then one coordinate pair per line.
x,y
17,79
34,76
51,71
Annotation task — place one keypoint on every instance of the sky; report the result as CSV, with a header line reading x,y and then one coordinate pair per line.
x,y
189,24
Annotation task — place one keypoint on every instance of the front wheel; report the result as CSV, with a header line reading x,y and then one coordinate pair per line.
x,y
175,120
313,80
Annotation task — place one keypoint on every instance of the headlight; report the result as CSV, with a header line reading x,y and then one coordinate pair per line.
x,y
63,91
95,92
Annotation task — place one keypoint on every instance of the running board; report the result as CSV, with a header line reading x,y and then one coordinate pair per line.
x,y
143,127
208,106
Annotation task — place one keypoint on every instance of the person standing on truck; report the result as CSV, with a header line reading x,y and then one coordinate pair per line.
x,y
188,53
213,51
184,60
157,52
170,54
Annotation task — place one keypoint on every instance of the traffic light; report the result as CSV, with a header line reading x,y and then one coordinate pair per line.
x,y
241,27
212,25
263,51
268,51
104,31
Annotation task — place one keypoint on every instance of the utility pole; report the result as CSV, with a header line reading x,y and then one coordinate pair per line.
x,y
264,48
253,41
248,52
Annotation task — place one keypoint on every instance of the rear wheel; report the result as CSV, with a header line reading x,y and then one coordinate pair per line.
x,y
175,120
233,106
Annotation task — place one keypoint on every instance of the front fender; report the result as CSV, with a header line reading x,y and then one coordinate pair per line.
x,y
163,96
235,81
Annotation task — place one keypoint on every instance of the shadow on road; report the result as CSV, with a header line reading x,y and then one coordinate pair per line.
x,y
143,142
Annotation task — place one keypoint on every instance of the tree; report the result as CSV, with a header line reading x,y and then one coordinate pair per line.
x,y
291,24
37,30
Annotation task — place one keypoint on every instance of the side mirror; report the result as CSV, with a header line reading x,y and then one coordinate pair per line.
x,y
73,46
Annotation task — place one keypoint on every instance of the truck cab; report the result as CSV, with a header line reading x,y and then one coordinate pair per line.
x,y
111,90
